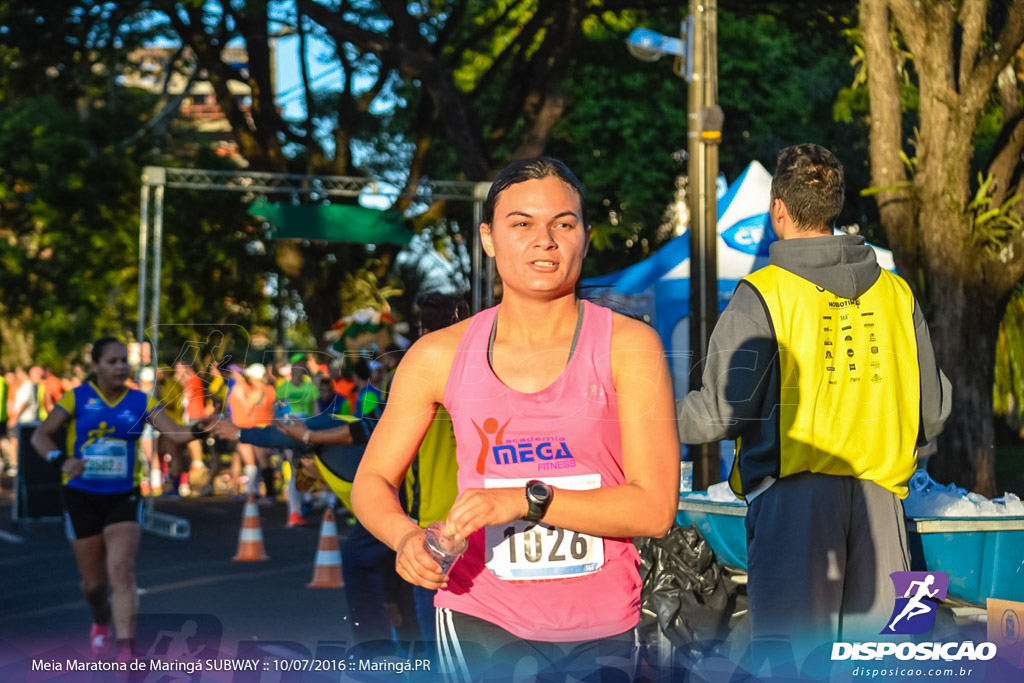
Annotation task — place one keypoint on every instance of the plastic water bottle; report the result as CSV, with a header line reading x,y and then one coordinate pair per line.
x,y
443,548
685,476
283,410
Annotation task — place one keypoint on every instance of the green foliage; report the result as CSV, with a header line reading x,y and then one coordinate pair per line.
x,y
852,101
621,135
993,226
69,225
366,289
1008,391
67,194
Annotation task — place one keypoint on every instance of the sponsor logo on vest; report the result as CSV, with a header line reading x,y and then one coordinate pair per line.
x,y
918,595
100,432
843,303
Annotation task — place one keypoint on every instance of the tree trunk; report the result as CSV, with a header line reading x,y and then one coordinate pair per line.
x,y
964,332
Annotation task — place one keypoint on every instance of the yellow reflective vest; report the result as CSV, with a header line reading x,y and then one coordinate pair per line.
x,y
849,401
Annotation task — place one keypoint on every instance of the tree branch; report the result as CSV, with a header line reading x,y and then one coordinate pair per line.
x,y
252,23
546,101
487,29
345,32
994,59
517,85
168,110
318,159
206,55
367,97
972,19
912,22
424,137
1005,164
895,201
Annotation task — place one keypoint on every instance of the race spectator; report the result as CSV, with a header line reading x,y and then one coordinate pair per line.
x,y
299,391
327,401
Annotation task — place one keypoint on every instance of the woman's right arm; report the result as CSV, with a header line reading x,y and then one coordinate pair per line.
x,y
417,389
43,440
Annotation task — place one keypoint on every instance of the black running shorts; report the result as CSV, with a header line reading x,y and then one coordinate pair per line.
x,y
87,514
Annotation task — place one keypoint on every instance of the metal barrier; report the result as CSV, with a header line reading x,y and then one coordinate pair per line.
x,y
163,524
38,492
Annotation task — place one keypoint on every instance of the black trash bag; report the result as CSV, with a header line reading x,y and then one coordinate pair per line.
x,y
685,591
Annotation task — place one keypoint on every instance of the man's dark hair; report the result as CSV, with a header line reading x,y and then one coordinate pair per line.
x,y
361,369
533,168
809,181
438,311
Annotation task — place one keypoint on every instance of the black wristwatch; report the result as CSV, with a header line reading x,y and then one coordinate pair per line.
x,y
538,496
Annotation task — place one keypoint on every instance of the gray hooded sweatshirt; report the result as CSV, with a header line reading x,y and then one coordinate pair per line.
x,y
741,378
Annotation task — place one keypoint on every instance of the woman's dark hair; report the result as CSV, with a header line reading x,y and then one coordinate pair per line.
x,y
533,168
99,345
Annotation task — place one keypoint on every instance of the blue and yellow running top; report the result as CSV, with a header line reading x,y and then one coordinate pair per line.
x,y
105,435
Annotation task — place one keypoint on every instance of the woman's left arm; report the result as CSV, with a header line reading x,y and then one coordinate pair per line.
x,y
169,427
646,503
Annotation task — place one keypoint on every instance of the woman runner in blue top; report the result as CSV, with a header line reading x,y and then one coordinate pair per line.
x,y
101,469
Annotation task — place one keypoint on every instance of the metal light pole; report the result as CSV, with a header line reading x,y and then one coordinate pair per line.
x,y
697,53
703,132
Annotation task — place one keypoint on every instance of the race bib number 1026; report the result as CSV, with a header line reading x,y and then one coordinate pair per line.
x,y
520,552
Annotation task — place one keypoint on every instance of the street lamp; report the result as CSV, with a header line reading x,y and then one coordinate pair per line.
x,y
650,46
696,61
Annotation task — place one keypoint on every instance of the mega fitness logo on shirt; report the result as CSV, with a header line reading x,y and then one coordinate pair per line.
x,y
917,598
548,452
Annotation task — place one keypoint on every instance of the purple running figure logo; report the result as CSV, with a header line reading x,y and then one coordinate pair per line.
x,y
917,598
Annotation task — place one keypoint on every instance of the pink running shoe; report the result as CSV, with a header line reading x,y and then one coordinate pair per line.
x,y
295,519
99,639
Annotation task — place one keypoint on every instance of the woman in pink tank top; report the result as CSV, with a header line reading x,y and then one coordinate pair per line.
x,y
566,447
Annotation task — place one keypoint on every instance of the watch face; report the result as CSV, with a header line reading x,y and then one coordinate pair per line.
x,y
539,490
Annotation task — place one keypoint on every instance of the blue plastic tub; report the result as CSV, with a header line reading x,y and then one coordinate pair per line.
x,y
983,556
723,525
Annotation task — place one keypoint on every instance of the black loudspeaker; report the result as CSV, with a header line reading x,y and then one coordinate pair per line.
x,y
39,492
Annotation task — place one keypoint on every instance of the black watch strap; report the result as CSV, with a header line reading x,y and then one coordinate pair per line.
x,y
538,498
56,458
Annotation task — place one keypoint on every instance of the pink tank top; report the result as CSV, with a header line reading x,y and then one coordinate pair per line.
x,y
543,583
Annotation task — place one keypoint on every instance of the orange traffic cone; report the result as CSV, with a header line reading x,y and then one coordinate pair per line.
x,y
327,572
250,537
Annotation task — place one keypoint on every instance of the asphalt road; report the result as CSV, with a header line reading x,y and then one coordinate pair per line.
x,y
195,603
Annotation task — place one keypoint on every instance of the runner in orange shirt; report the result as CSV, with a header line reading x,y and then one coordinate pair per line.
x,y
252,405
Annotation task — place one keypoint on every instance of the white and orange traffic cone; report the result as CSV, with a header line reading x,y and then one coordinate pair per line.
x,y
250,537
327,572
